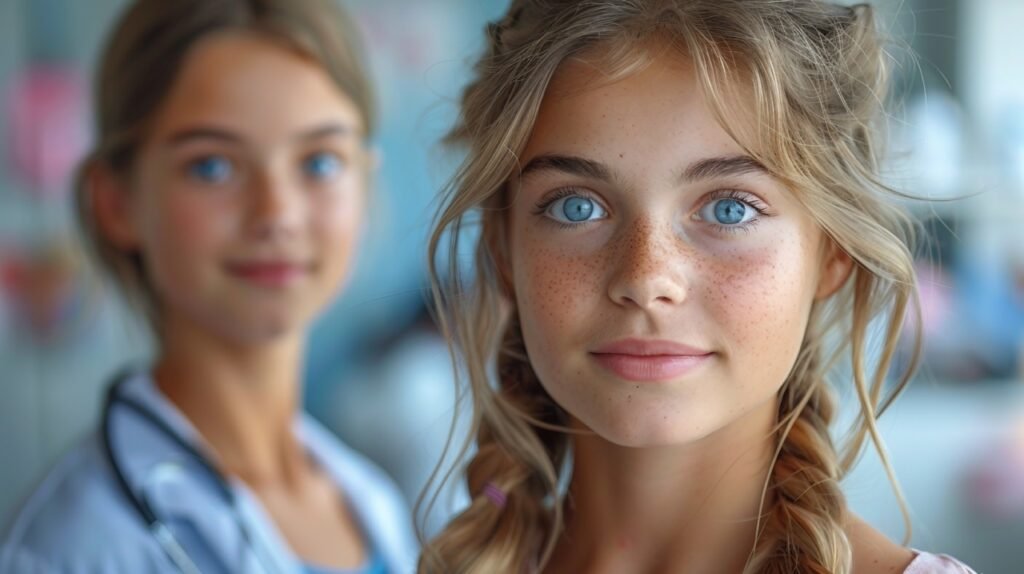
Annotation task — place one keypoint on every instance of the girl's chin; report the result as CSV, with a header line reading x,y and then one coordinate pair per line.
x,y
653,432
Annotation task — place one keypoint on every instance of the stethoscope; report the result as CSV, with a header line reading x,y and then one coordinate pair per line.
x,y
163,534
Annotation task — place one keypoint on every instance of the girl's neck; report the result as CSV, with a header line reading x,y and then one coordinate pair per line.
x,y
689,508
242,399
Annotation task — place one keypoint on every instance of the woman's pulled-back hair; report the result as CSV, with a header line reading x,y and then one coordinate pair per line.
x,y
816,78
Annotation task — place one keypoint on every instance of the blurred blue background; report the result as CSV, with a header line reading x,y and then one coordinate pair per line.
x,y
956,438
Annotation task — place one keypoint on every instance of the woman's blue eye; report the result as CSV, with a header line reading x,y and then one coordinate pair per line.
x,y
211,169
727,211
575,209
322,166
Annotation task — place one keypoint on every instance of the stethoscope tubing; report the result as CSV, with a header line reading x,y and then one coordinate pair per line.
x,y
171,546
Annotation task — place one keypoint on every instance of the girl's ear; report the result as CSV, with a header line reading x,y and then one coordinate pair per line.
x,y
835,270
110,203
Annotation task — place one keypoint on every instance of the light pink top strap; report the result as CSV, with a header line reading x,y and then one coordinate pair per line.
x,y
926,563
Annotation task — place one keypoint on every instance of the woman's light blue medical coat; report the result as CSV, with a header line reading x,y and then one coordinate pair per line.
x,y
79,521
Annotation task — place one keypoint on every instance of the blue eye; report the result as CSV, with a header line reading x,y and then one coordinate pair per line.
x,y
727,211
575,209
322,166
211,169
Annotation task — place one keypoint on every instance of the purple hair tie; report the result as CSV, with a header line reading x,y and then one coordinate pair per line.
x,y
495,494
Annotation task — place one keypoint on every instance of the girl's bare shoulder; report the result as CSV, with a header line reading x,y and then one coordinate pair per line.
x,y
874,552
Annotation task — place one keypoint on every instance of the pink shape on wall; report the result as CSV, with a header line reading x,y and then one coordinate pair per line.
x,y
46,115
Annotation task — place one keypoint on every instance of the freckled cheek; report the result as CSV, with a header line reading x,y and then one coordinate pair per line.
x,y
556,290
760,299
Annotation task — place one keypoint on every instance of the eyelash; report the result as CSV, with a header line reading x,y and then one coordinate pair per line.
x,y
747,198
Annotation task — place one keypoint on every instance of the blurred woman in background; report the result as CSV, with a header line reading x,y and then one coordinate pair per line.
x,y
225,195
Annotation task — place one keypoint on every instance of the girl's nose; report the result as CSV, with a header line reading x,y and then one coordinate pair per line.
x,y
648,267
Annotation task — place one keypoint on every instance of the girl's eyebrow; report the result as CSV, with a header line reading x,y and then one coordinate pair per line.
x,y
707,168
568,164
715,167
207,132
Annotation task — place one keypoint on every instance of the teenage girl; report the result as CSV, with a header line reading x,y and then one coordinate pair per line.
x,y
682,230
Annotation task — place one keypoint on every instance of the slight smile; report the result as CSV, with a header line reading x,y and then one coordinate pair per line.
x,y
648,360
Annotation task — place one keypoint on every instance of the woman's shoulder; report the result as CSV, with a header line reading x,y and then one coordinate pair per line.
x,y
78,483
69,517
873,552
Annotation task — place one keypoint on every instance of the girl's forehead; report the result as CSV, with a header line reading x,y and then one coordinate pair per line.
x,y
657,102
251,81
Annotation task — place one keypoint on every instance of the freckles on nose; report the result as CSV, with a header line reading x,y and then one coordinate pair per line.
x,y
646,249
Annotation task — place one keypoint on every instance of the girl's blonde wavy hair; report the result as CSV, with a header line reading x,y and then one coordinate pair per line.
x,y
818,78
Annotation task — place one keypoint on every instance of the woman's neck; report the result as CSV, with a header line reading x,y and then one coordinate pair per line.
x,y
689,508
241,399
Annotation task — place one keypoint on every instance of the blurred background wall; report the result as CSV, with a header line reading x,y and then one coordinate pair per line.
x,y
956,438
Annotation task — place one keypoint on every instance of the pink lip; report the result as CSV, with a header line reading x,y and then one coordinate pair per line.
x,y
268,273
649,360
